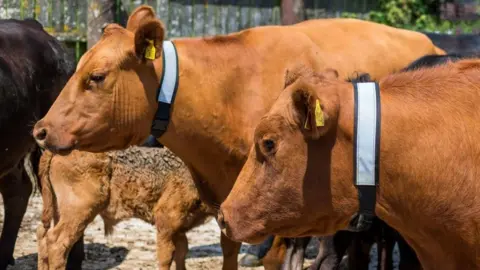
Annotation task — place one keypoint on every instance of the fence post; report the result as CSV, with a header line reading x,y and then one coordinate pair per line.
x,y
293,11
100,13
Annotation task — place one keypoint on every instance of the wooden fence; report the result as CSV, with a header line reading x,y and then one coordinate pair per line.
x,y
67,19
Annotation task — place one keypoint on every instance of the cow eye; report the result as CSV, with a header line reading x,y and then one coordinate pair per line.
x,y
98,78
269,145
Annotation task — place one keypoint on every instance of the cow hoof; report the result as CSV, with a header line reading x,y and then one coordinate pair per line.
x,y
250,260
11,261
5,264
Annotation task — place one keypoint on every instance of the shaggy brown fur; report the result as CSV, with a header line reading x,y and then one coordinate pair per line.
x,y
151,184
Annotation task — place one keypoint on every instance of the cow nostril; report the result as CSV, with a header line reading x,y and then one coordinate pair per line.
x,y
41,134
221,220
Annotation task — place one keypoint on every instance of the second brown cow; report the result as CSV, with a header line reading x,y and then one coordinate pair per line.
x,y
428,163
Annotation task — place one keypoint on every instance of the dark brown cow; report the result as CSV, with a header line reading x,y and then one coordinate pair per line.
x,y
34,67
428,168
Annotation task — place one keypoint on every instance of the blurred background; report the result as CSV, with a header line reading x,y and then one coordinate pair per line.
x,y
78,23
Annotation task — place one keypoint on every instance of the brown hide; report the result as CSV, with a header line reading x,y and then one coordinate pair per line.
x,y
151,184
298,181
226,84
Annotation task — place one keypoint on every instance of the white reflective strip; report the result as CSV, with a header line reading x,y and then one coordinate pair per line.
x,y
170,69
366,133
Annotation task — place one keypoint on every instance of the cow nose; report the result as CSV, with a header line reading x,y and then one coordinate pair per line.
x,y
40,135
221,220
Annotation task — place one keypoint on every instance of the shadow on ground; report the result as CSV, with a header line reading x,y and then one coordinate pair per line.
x,y
99,254
213,250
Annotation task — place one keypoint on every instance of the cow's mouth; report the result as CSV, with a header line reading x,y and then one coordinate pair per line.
x,y
62,150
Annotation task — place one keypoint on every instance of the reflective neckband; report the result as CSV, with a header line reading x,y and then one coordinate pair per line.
x,y
366,146
167,90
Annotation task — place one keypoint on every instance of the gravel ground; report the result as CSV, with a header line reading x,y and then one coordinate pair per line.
x,y
132,245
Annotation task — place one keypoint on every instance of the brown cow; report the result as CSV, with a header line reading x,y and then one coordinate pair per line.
x,y
429,164
147,183
226,83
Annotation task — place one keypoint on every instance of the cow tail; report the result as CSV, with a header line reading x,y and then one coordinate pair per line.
x,y
30,165
48,193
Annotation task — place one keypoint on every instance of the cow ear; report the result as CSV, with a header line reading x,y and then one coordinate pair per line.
x,y
312,114
141,14
149,39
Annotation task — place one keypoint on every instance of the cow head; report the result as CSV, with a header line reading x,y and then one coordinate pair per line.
x,y
287,186
110,100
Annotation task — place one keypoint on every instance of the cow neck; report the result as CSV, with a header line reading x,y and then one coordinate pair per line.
x,y
167,89
200,130
366,151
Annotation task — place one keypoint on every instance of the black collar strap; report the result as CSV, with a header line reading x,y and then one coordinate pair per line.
x,y
167,90
366,146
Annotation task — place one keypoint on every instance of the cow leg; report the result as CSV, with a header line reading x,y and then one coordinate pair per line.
x,y
76,255
255,253
230,251
15,188
165,249
331,250
42,248
388,245
359,250
181,250
295,255
275,257
408,257
381,253
70,227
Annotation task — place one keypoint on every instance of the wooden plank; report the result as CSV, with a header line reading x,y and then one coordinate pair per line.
x,y
223,19
70,9
244,13
13,10
81,19
151,3
276,16
233,17
175,14
266,12
162,10
209,29
29,8
41,12
58,17
198,17
186,22
256,16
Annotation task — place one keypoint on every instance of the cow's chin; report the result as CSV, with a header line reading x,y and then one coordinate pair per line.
x,y
61,150
253,237
61,144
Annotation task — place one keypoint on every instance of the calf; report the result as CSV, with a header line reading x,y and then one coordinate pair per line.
x,y
34,67
147,183
428,166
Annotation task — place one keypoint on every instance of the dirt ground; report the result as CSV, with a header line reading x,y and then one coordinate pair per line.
x,y
132,245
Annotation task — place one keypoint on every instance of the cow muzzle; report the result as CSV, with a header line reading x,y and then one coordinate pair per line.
x,y
56,143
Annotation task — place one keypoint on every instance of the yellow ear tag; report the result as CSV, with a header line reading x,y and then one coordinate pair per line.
x,y
319,120
150,51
